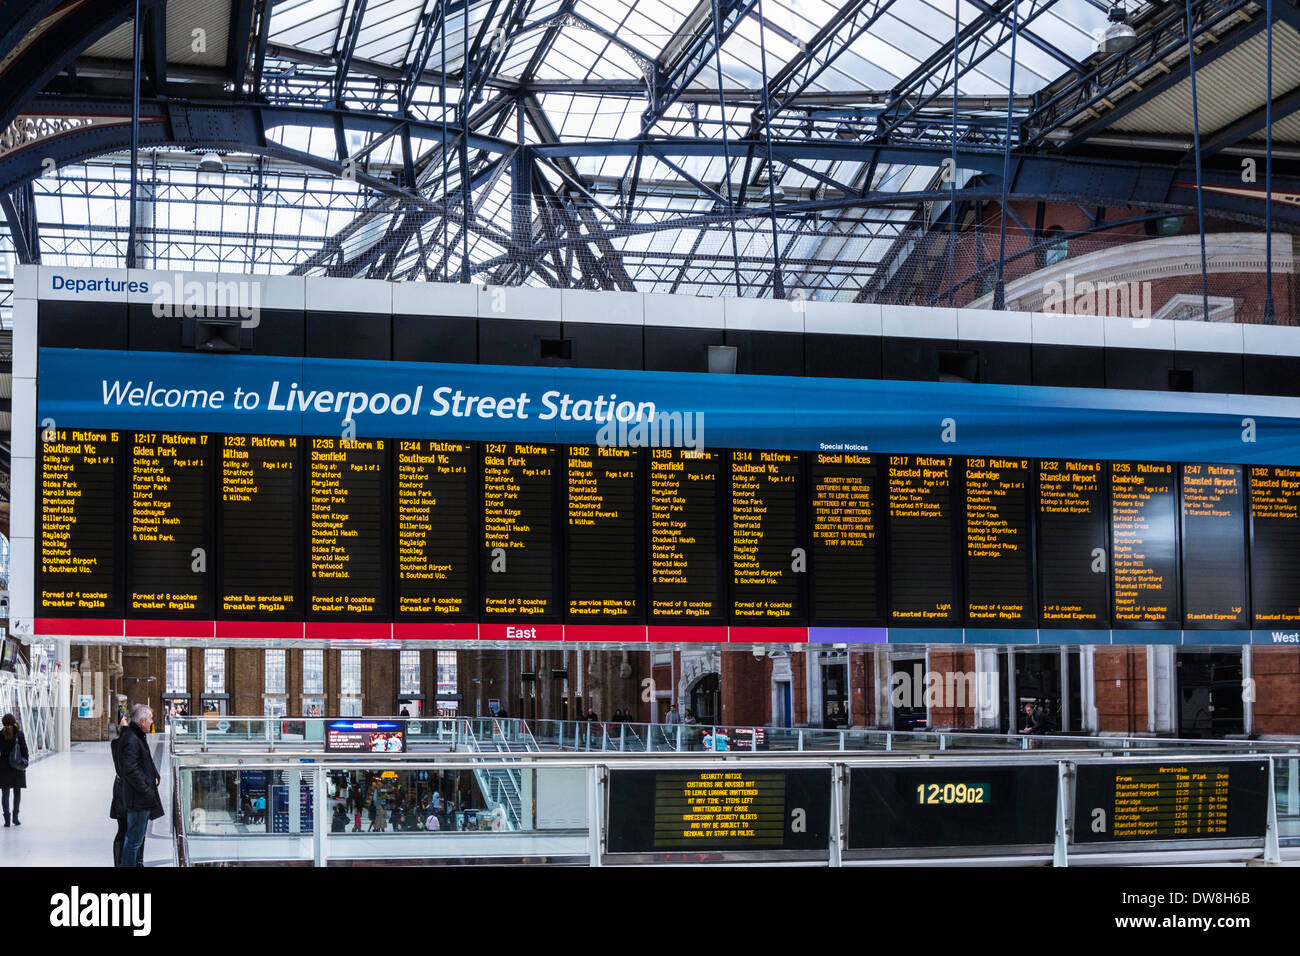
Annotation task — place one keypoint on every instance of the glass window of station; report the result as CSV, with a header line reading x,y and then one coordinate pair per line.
x,y
350,683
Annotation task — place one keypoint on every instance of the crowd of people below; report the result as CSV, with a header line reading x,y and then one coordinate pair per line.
x,y
362,804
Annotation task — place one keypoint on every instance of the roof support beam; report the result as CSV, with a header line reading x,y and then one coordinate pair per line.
x,y
1251,123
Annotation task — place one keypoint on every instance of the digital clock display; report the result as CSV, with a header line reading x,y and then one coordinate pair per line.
x,y
949,794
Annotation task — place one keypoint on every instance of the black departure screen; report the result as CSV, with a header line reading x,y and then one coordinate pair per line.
x,y
959,806
686,570
347,499
766,532
260,522
1073,562
519,552
848,566
436,528
1214,547
170,564
604,546
81,527
718,810
1171,801
924,538
999,543
1275,545
1144,535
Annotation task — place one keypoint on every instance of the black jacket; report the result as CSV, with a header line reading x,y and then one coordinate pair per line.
x,y
11,779
115,809
138,773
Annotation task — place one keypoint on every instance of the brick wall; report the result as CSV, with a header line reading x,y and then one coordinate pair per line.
x,y
947,715
1277,689
745,686
1121,683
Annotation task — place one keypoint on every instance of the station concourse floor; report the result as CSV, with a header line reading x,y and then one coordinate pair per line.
x,y
65,811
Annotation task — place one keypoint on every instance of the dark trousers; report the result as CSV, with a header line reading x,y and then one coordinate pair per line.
x,y
4,800
137,825
117,845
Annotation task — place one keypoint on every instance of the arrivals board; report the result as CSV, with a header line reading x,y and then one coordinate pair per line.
x,y
1073,548
604,534
718,810
768,552
847,537
170,562
924,541
79,568
519,554
1275,545
999,543
956,806
348,529
1214,546
1170,801
436,504
260,519
687,576
1144,544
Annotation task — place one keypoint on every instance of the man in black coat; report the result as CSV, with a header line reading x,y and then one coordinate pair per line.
x,y
140,781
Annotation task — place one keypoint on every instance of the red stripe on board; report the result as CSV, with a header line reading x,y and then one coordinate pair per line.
x,y
260,630
631,633
142,628
348,630
686,634
435,631
760,635
79,626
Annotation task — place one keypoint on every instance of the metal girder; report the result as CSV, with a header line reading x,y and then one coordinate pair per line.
x,y
1163,38
692,48
847,24
241,29
19,207
431,27
976,41
483,62
348,47
154,40
1033,38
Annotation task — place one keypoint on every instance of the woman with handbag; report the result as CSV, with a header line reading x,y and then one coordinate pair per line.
x,y
13,765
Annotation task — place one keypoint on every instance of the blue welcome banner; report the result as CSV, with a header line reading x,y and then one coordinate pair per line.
x,y
312,396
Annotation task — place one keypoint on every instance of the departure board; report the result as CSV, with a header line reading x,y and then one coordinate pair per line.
x,y
1214,546
924,540
999,543
718,810
687,579
1170,801
348,529
436,527
80,531
260,522
520,553
604,540
848,567
169,544
1144,545
958,806
766,537
1073,563
1275,545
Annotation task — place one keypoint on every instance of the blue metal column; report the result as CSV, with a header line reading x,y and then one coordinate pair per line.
x,y
1000,292
1196,152
1270,313
135,133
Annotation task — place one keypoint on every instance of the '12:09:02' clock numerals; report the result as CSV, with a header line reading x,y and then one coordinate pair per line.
x,y
951,793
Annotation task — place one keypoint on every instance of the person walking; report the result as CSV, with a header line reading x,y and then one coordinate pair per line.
x,y
140,781
13,765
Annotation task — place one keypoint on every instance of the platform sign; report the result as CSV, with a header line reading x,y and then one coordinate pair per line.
x,y
999,552
847,537
1275,545
718,810
348,529
924,541
259,527
604,538
1144,545
687,571
1214,546
1170,801
436,495
958,806
768,550
79,565
518,549
1073,546
171,566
